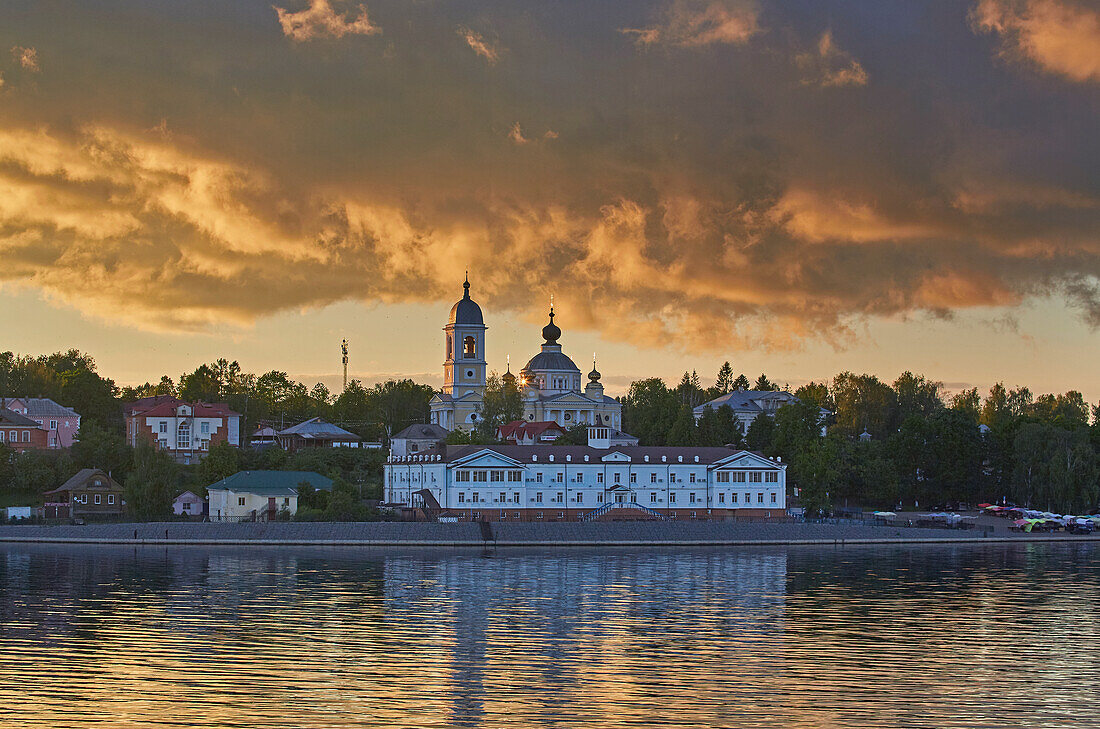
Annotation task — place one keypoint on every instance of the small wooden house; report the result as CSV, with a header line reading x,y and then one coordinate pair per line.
x,y
91,492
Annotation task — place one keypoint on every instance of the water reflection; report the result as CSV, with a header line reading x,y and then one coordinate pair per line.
x,y
896,636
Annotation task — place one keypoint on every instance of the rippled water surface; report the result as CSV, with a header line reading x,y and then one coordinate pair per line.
x,y
930,636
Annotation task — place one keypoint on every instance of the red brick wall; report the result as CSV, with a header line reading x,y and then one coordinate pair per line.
x,y
39,439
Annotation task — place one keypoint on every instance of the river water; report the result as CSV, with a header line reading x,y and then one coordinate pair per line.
x,y
918,636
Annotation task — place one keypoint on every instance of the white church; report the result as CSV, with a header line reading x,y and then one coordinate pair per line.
x,y
550,383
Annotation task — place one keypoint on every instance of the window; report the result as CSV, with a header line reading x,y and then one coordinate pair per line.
x,y
633,478
538,497
515,497
599,498
481,476
469,348
183,435
773,498
204,428
672,478
760,498
771,477
733,498
240,501
634,498
722,477
26,436
503,497
691,478
449,347
185,507
462,497
672,498
599,478
653,477
580,498
53,425
721,498
691,498
99,498
286,501
496,476
739,477
618,477
111,499
515,475
561,515
653,498
462,476
756,477
580,477
538,477
163,426
516,514
560,477
1,436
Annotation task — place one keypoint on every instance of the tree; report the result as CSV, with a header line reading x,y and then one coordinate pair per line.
x,y
797,426
915,395
763,383
150,484
815,471
502,404
103,448
816,393
724,382
760,434
649,410
682,432
222,461
968,402
201,385
862,402
741,383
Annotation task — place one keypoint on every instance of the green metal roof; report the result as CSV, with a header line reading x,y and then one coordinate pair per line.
x,y
271,483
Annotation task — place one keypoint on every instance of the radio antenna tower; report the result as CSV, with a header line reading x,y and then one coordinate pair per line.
x,y
344,349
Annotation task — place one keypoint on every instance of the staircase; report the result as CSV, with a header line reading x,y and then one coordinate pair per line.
x,y
634,506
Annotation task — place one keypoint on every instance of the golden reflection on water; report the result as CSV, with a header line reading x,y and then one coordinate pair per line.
x,y
950,636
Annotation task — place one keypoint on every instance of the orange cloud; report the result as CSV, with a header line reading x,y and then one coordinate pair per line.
x,y
320,20
27,58
1059,36
695,23
480,45
828,65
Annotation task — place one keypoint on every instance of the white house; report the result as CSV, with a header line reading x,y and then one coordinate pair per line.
x,y
575,483
260,495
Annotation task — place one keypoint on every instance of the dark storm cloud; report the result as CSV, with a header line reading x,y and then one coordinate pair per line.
x,y
676,172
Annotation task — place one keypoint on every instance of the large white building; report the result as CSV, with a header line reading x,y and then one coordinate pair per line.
x,y
550,383
576,483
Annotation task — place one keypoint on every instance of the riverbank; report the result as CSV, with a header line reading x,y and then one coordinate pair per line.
x,y
519,534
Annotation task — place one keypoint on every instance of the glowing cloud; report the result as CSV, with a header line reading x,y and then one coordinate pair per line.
x,y
27,58
320,20
1059,36
482,47
828,65
694,23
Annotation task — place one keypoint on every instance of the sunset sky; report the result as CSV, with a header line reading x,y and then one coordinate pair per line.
x,y
797,187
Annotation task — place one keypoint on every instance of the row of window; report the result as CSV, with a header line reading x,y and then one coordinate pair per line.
x,y
462,476
13,436
83,498
488,476
578,497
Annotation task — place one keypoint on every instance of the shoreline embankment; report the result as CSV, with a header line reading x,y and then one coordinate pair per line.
x,y
502,535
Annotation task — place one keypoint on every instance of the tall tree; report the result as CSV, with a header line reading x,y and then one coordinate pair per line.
x,y
649,410
724,383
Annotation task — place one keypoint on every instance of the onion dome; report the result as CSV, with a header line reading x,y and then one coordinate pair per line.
x,y
466,312
508,378
550,332
594,375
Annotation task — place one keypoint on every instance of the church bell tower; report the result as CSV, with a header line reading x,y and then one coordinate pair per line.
x,y
464,369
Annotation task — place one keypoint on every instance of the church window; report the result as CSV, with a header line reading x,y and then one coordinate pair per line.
x,y
450,347
469,348
568,417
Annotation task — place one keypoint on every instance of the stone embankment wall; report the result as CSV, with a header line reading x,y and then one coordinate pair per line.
x,y
498,534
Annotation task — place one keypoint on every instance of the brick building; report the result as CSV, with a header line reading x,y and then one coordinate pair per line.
x,y
20,433
184,430
61,424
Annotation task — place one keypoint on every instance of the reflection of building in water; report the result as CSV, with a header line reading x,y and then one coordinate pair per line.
x,y
587,625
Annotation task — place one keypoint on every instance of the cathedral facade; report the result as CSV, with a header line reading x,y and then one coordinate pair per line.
x,y
550,383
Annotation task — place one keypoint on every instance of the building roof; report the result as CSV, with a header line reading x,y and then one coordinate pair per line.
x,y
317,429
82,477
147,403
166,408
193,497
271,483
422,430
746,400
10,417
523,429
45,407
636,454
549,359
466,312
